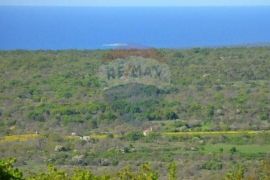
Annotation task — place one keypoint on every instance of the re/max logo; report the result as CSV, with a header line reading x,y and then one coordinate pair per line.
x,y
130,70
135,70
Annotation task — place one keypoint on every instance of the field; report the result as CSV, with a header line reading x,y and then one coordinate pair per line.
x,y
196,153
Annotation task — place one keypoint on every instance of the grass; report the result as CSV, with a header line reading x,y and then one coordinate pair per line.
x,y
159,152
27,137
249,149
23,137
92,136
207,133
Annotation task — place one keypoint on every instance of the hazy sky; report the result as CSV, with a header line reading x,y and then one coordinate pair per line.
x,y
137,2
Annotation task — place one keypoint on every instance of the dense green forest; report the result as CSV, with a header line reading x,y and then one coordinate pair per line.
x,y
108,109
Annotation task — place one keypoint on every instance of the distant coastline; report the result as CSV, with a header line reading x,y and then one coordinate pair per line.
x,y
58,28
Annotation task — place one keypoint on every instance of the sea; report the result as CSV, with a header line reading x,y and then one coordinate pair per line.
x,y
58,28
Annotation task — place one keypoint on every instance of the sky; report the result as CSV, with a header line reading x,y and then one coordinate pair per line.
x,y
135,2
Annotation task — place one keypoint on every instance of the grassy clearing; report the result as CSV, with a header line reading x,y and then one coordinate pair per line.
x,y
92,136
26,137
207,133
250,149
23,137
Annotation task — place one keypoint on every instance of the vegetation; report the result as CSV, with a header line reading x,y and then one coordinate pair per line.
x,y
7,171
214,112
211,89
145,172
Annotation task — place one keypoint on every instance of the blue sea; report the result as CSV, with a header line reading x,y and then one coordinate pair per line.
x,y
98,28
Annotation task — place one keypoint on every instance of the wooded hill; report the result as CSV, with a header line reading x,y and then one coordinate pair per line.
x,y
209,89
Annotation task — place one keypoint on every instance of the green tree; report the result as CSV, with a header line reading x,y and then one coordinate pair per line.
x,y
8,172
134,136
172,171
237,173
81,174
264,171
52,174
145,173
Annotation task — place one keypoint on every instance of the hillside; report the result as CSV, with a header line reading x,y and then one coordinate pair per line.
x,y
187,114
206,89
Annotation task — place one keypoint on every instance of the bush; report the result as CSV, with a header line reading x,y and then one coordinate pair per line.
x,y
8,172
52,174
264,170
81,174
145,173
212,165
172,171
237,173
36,116
171,116
134,136
233,150
153,136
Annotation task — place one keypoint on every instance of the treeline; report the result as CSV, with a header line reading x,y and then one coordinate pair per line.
x,y
145,172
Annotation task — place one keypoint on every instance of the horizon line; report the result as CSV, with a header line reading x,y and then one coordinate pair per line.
x,y
135,6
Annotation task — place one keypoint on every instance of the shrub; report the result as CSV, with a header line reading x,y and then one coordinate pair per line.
x,y
264,170
8,172
80,174
233,150
153,136
212,165
172,171
171,116
237,173
178,55
134,136
52,174
145,173
36,116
